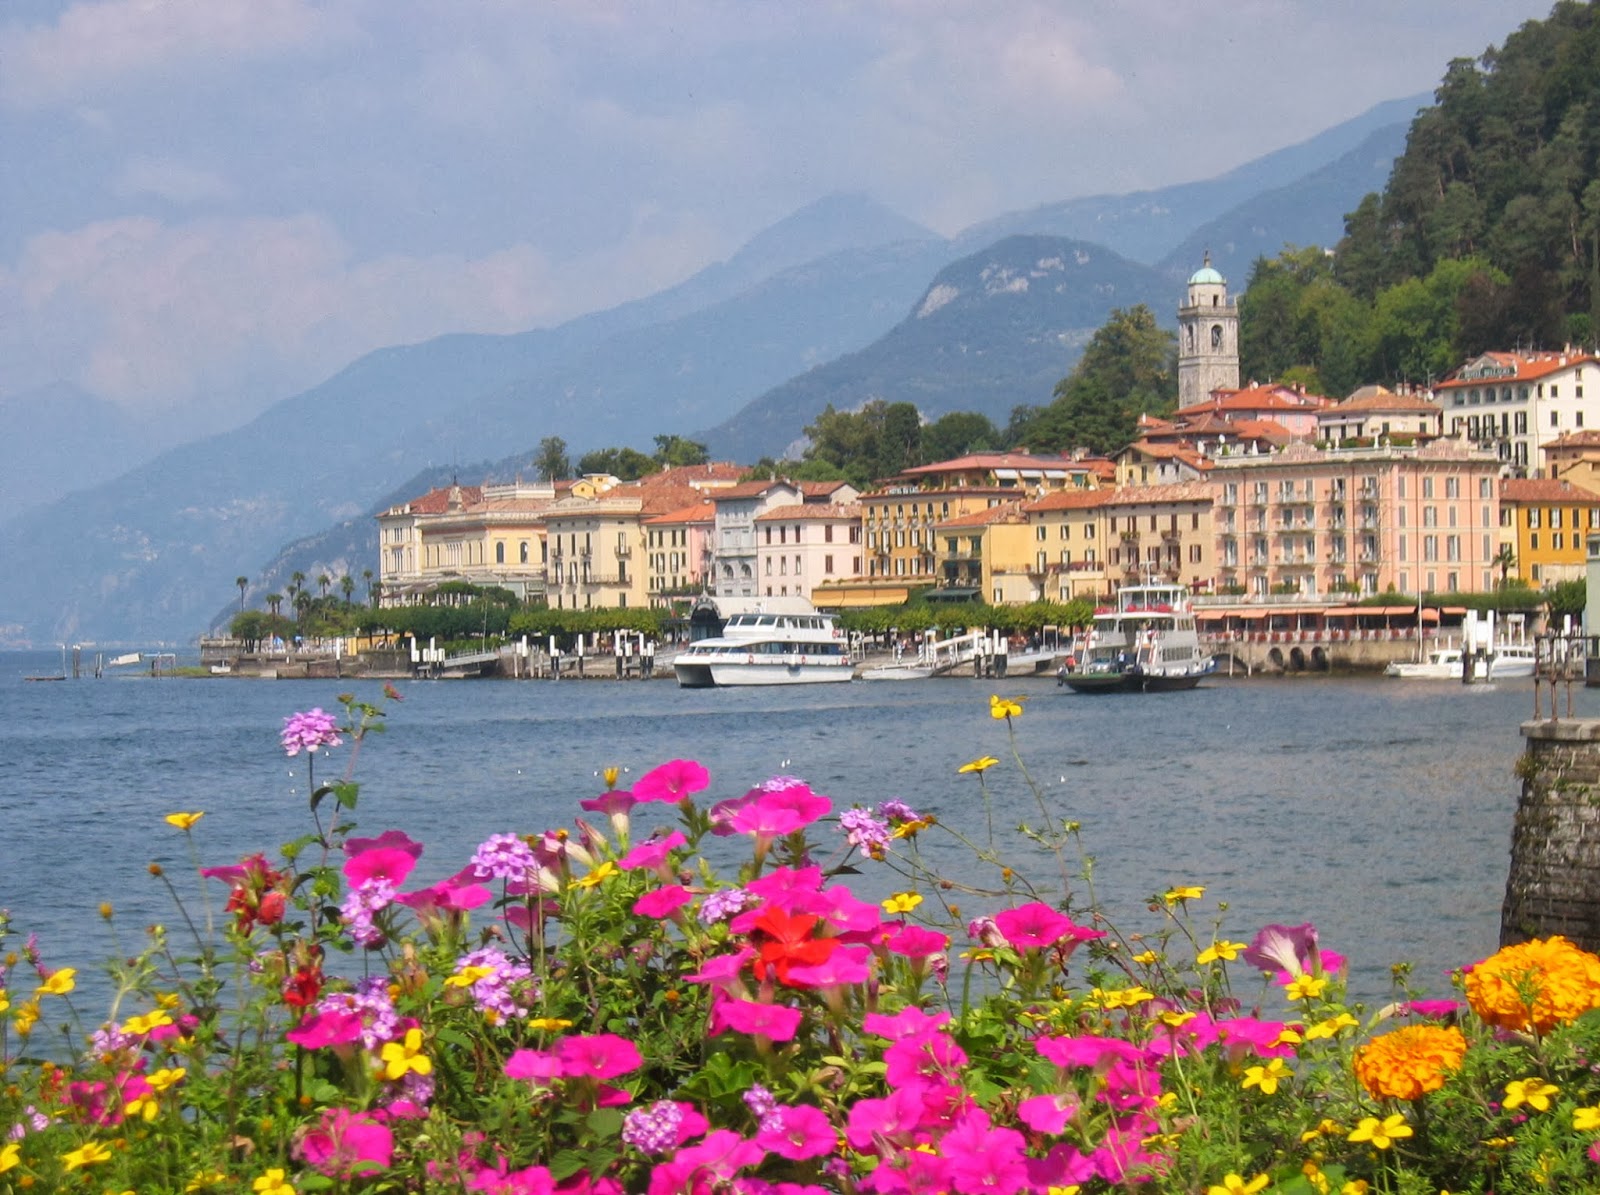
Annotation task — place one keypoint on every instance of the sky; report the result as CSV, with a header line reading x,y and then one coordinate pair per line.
x,y
210,205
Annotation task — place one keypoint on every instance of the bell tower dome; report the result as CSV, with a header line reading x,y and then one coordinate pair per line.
x,y
1208,337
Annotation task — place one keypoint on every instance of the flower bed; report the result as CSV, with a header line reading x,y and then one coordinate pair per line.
x,y
599,1008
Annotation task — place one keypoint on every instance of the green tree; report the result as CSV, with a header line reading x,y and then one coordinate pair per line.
x,y
550,461
628,464
957,434
879,440
243,583
273,602
677,452
1567,599
347,586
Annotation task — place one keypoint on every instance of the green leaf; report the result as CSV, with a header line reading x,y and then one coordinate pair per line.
x,y
605,1122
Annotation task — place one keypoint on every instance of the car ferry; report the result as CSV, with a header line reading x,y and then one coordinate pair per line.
x,y
1147,642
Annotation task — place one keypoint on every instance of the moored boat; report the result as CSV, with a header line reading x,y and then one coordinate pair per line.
x,y
768,648
1146,642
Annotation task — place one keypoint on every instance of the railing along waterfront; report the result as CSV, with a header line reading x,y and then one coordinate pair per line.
x,y
1559,659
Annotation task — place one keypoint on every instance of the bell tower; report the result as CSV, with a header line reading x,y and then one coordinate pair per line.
x,y
1208,338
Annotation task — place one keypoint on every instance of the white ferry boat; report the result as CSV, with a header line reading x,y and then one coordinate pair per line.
x,y
1147,642
768,648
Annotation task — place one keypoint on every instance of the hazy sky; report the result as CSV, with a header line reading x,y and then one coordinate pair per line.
x,y
227,200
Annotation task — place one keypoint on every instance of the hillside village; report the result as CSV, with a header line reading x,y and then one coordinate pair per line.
x,y
1249,494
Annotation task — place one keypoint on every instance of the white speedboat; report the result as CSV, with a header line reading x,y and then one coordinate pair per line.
x,y
1147,642
1507,662
759,648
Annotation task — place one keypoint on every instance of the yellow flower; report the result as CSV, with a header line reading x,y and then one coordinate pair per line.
x,y
549,1024
982,764
598,876
1306,987
164,1078
1331,1026
144,1024
1409,1063
1173,1019
1356,1186
609,775
4,1002
1145,957
183,821
1535,1093
1324,1128
272,1183
145,1107
60,982
1227,951
902,902
1119,997
1267,1077
25,1017
1586,1120
87,1155
205,1180
1381,1133
10,1155
1005,707
1189,892
468,976
1236,1185
400,1058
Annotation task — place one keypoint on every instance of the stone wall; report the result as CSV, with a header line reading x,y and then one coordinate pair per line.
x,y
1554,883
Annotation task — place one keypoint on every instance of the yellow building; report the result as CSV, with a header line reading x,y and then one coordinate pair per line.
x,y
1545,522
1069,543
484,535
987,555
1161,531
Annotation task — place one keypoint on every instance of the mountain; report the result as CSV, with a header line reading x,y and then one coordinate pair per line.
x,y
1147,225
993,330
1309,211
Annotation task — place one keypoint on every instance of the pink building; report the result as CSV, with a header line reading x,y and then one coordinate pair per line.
x,y
1314,523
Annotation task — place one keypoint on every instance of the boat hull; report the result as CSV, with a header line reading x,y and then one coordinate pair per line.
x,y
1129,682
693,674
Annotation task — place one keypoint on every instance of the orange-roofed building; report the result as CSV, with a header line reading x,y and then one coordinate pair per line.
x,y
1575,457
1374,413
493,534
1069,543
1161,532
1147,462
678,552
735,565
807,544
1516,403
1546,522
987,555
1288,406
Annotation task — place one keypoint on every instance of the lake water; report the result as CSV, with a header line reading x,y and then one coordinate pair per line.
x,y
1380,810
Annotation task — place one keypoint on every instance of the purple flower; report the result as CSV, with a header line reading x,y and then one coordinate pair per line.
x,y
865,831
309,730
898,811
724,903
508,991
664,1125
504,857
1291,948
362,905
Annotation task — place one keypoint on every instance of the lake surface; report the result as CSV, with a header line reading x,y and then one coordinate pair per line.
x,y
1378,809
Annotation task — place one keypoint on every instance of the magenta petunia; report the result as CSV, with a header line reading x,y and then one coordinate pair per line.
x,y
380,863
907,1024
1087,1051
798,1133
674,781
708,1166
915,941
1033,926
331,1028
652,854
345,1144
458,894
782,884
984,1158
847,964
598,1056
1290,948
534,1066
662,902
774,813
722,971
775,1022
397,840
1048,1114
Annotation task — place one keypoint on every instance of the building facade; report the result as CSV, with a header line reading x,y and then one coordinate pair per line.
x,y
804,545
1513,404
1161,532
1208,337
1546,523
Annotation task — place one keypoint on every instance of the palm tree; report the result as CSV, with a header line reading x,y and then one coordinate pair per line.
x,y
347,586
323,581
366,575
302,605
1505,560
243,583
297,582
273,600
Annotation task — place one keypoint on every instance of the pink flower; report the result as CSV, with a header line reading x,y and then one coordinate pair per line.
x,y
772,814
707,1167
915,941
1431,1009
332,1028
775,1022
397,840
539,1067
1089,1052
1048,1114
457,894
1291,948
533,1180
345,1144
723,971
798,1133
380,863
846,964
1033,926
982,1158
652,855
674,781
662,902
907,1024
309,730
783,884
598,1056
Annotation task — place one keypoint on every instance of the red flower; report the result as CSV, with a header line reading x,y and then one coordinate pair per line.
x,y
303,987
783,940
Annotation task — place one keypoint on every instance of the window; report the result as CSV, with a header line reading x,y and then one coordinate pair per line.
x,y
827,565
1452,487
499,553
1555,516
1039,532
1557,541
827,536
1533,516
1427,487
1555,416
1533,546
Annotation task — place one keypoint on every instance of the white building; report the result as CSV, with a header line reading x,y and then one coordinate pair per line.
x,y
1515,403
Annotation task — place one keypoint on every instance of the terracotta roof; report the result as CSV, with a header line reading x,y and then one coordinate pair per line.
x,y
811,510
1172,452
704,511
996,460
1525,367
821,489
1543,489
437,501
719,473
1006,512
1584,439
1069,500
1258,398
1150,495
880,496
1376,398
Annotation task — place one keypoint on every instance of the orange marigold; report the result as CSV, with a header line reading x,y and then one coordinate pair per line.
x,y
1535,985
1408,1063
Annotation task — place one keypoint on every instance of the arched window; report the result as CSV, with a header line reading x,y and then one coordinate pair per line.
x,y
1216,336
524,552
499,552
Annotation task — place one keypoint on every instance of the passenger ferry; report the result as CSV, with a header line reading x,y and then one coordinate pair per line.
x,y
1146,642
768,648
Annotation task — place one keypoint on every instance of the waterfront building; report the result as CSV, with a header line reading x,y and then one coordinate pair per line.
x,y
1160,532
678,552
987,556
1545,522
734,541
1158,462
1208,337
1575,457
491,534
1375,413
807,544
1069,539
1316,522
1515,403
